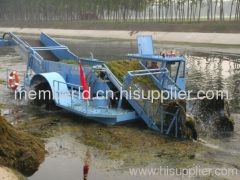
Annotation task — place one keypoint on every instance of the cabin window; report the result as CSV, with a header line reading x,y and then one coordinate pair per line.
x,y
182,70
173,68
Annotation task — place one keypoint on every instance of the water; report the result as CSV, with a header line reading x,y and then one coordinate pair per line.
x,y
209,68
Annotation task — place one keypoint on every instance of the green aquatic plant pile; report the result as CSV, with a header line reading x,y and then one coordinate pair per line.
x,y
19,150
120,67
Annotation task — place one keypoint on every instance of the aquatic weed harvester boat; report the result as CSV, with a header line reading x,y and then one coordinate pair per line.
x,y
147,86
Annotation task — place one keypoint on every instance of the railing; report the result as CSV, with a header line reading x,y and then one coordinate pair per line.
x,y
113,78
70,91
58,91
142,107
146,72
19,41
161,81
49,48
150,111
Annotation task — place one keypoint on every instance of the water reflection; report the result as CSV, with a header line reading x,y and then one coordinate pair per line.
x,y
215,72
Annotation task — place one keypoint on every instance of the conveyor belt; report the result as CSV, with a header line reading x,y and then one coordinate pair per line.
x,y
47,55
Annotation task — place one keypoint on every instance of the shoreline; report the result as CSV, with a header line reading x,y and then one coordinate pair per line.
x,y
186,37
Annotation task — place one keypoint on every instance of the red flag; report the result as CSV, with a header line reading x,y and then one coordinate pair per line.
x,y
83,82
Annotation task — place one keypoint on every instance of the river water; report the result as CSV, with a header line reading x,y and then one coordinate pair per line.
x,y
208,68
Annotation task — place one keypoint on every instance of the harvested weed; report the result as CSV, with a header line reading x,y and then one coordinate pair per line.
x,y
19,150
121,67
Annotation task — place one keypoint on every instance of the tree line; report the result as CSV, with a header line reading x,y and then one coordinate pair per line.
x,y
120,10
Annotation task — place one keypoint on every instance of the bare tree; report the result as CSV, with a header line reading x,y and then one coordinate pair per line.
x,y
221,11
215,9
200,9
230,16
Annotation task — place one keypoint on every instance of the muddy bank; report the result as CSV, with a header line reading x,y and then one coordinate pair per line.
x,y
19,150
187,37
114,149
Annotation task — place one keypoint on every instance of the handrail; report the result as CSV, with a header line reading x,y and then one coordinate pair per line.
x,y
69,94
172,83
145,74
48,48
149,70
162,73
70,84
113,78
37,58
18,41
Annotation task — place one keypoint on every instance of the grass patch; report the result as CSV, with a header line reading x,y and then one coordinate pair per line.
x,y
3,82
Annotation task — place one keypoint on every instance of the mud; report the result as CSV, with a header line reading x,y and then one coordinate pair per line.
x,y
113,149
